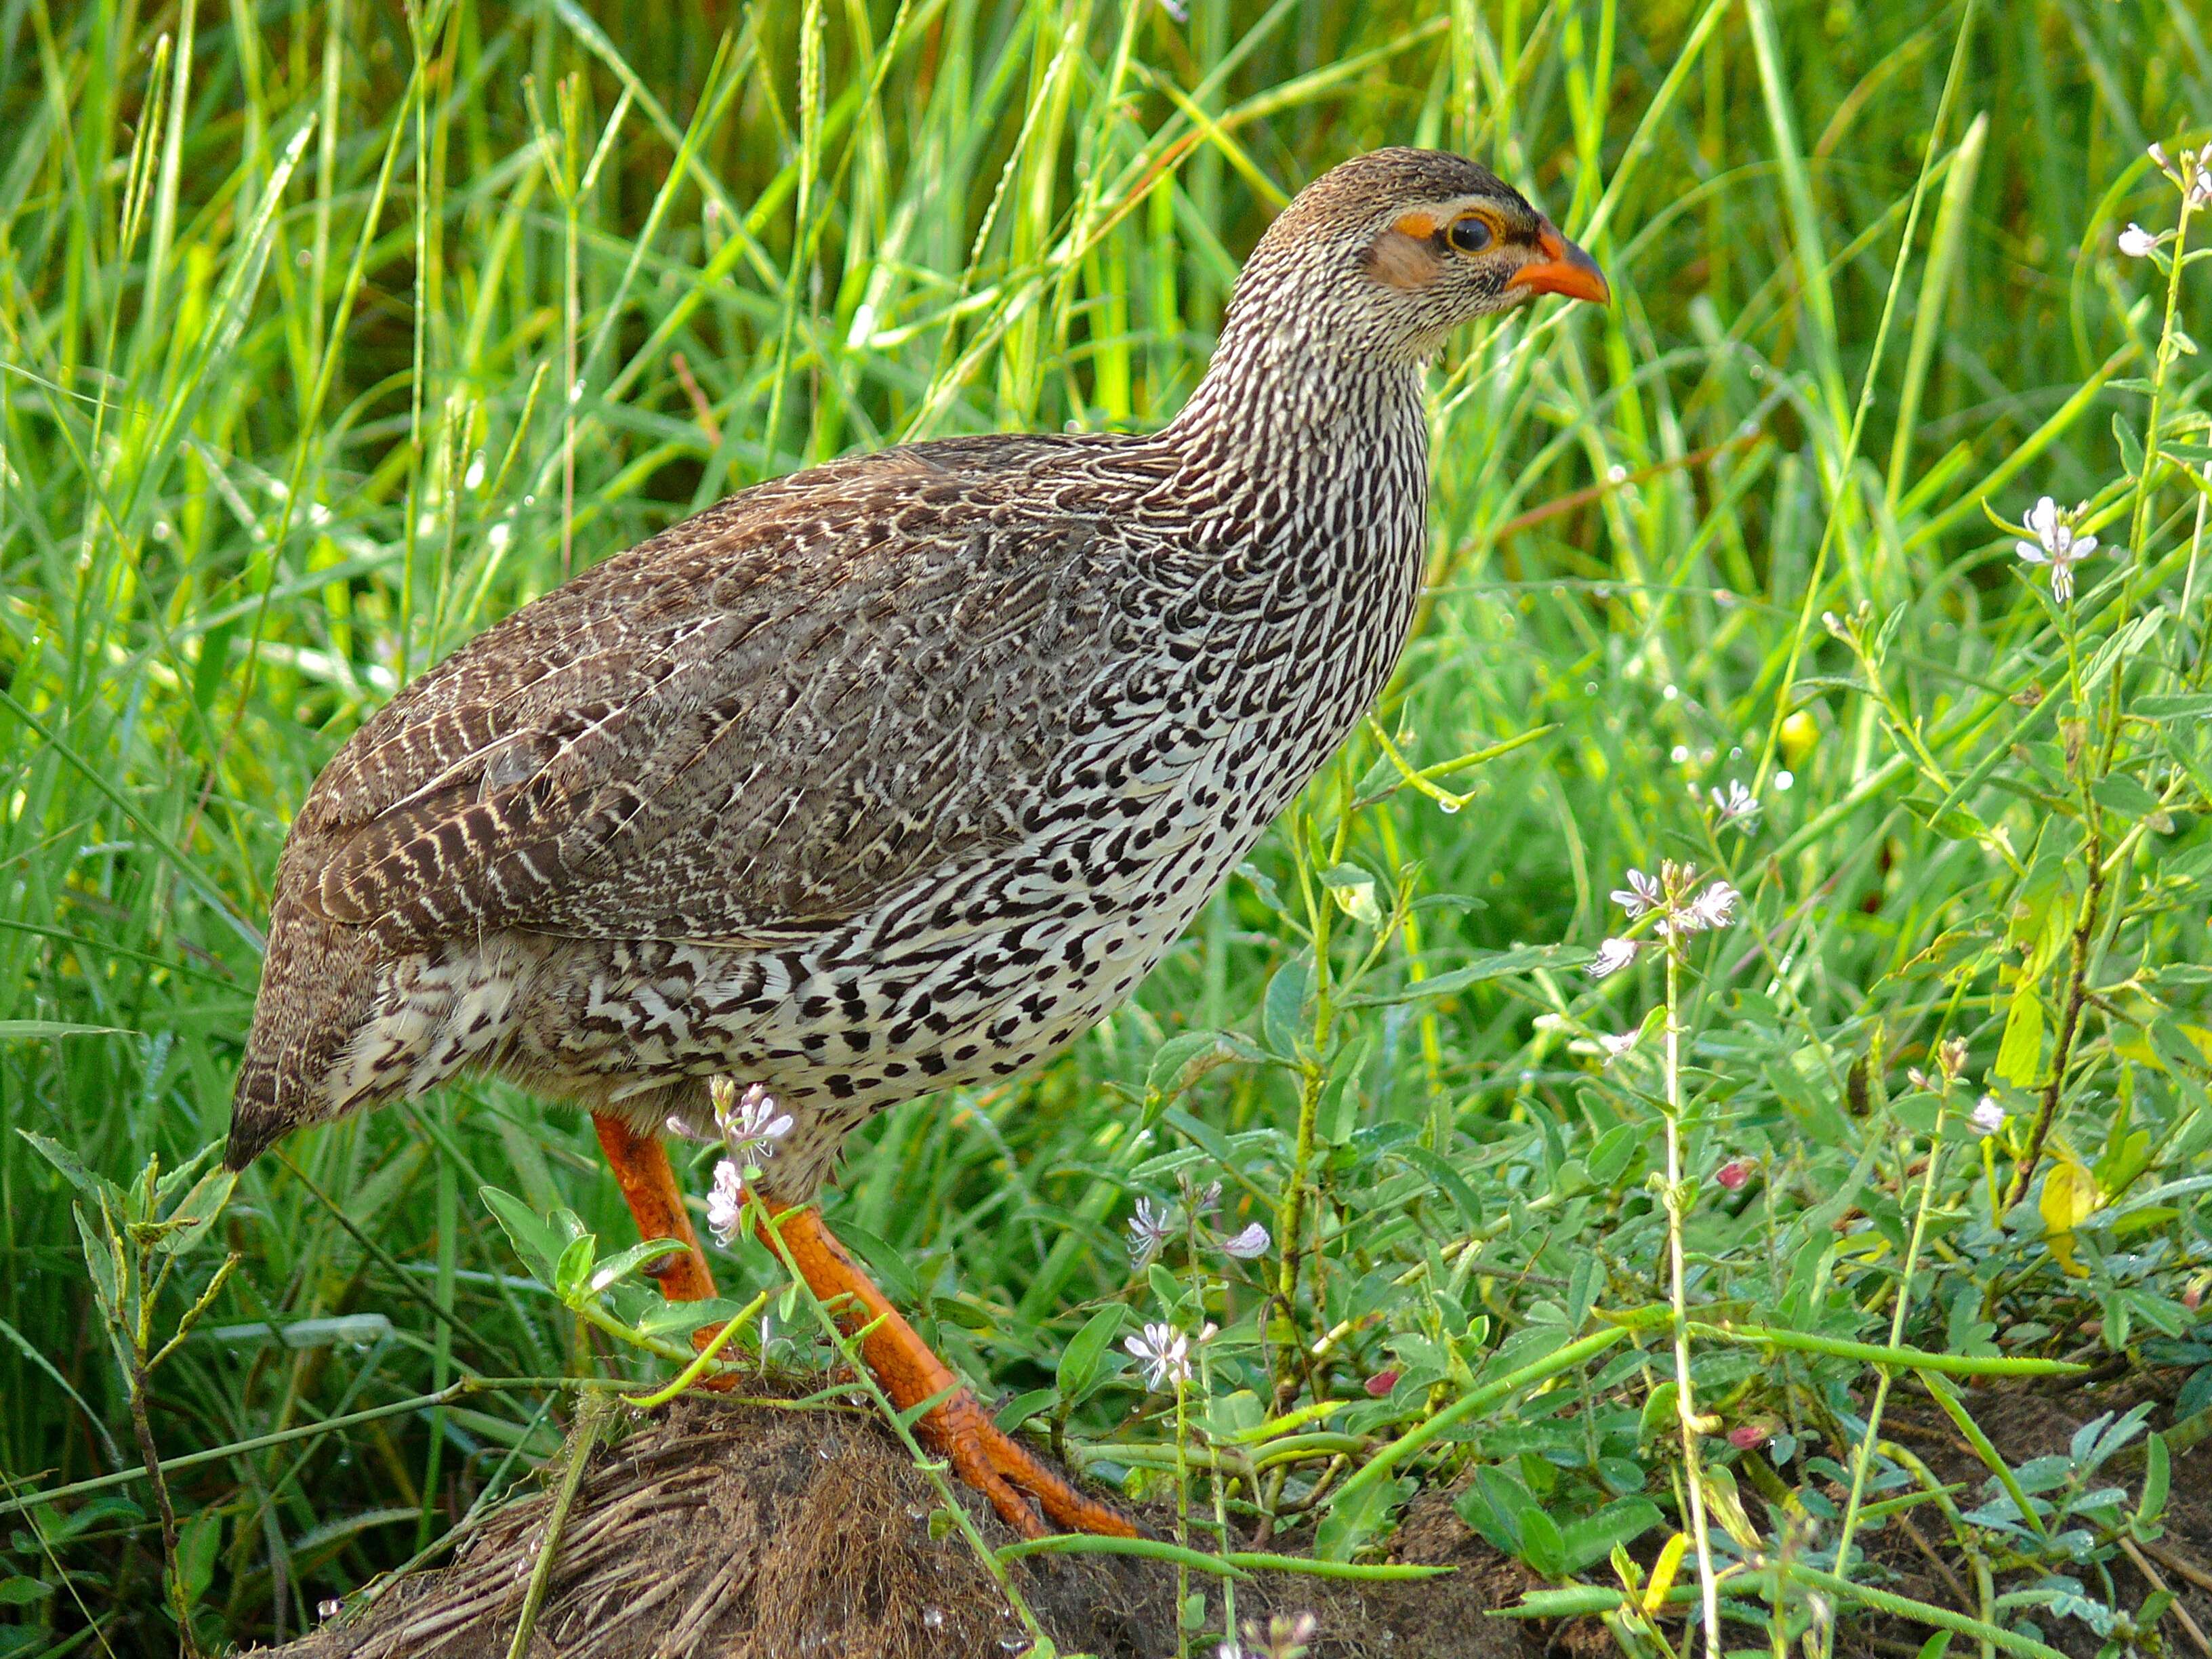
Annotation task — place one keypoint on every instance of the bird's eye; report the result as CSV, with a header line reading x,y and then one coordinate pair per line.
x,y
1469,235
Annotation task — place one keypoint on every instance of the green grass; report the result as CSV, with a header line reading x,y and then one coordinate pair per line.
x,y
289,295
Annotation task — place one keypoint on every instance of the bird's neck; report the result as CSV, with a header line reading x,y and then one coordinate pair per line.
x,y
1281,407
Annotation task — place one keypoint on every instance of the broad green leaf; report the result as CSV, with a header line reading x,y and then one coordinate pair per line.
x,y
537,1245
1282,1024
1081,1360
1593,1537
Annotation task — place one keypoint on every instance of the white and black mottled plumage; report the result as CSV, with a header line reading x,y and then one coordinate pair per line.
x,y
897,773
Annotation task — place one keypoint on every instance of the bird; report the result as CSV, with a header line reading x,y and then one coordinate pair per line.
x,y
895,774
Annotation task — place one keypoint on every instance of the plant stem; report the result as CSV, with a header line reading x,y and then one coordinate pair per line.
x,y
1685,1402
591,1417
1885,1375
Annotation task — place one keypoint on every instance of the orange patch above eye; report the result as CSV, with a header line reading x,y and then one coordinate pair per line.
x,y
1418,226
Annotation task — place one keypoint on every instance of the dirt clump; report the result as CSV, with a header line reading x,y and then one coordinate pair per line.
x,y
730,1530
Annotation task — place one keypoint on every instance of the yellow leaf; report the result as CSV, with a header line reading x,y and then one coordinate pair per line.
x,y
1664,1572
2020,1051
2070,1196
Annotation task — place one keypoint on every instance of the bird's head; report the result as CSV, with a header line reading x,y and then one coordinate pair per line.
x,y
1388,253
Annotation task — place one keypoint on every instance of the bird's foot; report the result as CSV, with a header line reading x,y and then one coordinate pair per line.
x,y
1023,1488
1016,1479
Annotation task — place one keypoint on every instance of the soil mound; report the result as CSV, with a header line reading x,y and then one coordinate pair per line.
x,y
724,1530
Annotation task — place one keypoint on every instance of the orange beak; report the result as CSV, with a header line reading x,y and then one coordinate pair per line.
x,y
1560,267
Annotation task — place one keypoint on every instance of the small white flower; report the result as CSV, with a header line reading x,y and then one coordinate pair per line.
x,y
1612,955
726,1202
2056,543
1987,1117
1149,1229
1252,1242
1736,805
750,1122
1166,1353
1643,893
2135,241
1616,1046
1715,907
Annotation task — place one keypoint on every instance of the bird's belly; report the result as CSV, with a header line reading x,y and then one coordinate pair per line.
x,y
963,980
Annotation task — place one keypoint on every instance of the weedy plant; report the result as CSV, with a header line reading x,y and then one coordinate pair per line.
x,y
1741,999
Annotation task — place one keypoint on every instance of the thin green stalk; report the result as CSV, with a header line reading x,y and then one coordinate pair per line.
x,y
1691,1425
1885,1375
591,1418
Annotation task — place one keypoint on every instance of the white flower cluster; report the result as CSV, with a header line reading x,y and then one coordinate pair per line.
x,y
750,1125
2190,170
2057,544
1153,1224
1736,805
1681,906
1165,1352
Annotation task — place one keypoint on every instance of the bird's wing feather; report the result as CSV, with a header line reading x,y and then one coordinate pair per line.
x,y
748,729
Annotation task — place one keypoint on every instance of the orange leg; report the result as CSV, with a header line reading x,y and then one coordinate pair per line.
x,y
1000,1467
641,1167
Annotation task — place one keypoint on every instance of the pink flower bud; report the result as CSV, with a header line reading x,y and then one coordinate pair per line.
x,y
1383,1381
2192,1297
1747,1436
1733,1174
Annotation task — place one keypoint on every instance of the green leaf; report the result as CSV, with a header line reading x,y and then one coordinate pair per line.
x,y
103,1263
197,1541
1185,1058
2157,1476
885,1259
1541,1545
1023,1406
1953,823
38,1030
623,1263
572,1274
1281,1023
1593,1537
1608,1160
535,1243
1081,1360
17,1591
1657,1420
1444,1176
197,1211
96,1187
2188,706
1338,1109
2123,795
1347,1526
2131,450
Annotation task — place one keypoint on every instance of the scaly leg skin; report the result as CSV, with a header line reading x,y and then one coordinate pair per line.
x,y
999,1467
996,1465
641,1170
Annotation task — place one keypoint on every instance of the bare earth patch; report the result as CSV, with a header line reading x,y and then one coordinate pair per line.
x,y
726,1531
